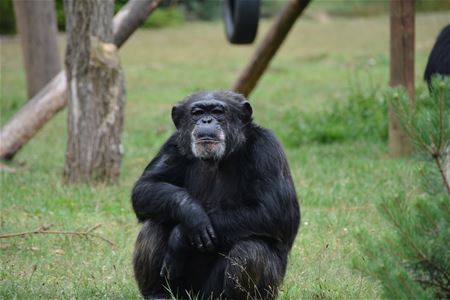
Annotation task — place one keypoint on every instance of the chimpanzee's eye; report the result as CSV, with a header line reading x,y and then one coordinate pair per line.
x,y
217,111
197,112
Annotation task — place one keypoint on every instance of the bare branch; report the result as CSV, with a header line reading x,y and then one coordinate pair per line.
x,y
44,229
437,160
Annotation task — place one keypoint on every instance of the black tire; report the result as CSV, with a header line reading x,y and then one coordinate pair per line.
x,y
241,20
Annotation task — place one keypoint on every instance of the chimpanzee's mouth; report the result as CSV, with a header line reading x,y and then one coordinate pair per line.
x,y
208,145
207,140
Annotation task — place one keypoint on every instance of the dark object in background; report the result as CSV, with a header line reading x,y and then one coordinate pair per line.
x,y
439,59
241,20
218,206
7,18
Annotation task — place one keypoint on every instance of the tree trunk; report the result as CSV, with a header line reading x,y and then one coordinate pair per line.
x,y
95,93
41,108
36,22
269,46
402,68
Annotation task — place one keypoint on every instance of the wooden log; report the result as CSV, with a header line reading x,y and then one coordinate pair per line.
x,y
32,116
269,46
401,67
130,17
52,98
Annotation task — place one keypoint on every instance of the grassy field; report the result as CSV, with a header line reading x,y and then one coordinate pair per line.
x,y
338,184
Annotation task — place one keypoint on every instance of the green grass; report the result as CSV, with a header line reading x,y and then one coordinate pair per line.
x,y
338,184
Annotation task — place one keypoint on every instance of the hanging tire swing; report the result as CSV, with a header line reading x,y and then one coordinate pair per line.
x,y
241,20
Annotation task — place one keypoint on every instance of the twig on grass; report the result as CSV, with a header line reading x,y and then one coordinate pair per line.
x,y
45,229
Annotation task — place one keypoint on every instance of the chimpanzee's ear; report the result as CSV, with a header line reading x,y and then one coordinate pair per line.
x,y
177,113
247,111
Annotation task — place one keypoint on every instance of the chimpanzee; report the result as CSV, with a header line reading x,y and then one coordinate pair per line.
x,y
217,204
439,59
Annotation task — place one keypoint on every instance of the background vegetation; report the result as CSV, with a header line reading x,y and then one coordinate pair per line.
x,y
322,95
176,12
412,261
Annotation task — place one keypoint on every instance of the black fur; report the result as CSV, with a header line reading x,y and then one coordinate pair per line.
x,y
219,228
439,59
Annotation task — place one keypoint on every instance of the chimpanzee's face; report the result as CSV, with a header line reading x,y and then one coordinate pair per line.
x,y
211,124
207,135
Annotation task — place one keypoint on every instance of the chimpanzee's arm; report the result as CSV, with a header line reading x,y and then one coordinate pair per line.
x,y
275,212
159,195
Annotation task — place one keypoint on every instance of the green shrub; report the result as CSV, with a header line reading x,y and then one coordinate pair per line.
x,y
358,8
427,6
363,115
7,19
164,17
206,10
60,16
270,8
412,259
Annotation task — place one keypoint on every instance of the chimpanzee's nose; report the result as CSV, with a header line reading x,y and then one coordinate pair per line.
x,y
207,120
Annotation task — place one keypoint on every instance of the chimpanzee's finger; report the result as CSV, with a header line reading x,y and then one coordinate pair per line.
x,y
212,233
198,242
192,242
207,241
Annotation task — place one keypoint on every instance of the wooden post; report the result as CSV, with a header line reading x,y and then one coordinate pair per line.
x,y
269,46
402,67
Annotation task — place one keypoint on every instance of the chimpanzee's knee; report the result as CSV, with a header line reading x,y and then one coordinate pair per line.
x,y
149,252
254,271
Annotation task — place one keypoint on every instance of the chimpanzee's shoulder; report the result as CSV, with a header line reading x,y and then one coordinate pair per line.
x,y
265,150
170,147
262,138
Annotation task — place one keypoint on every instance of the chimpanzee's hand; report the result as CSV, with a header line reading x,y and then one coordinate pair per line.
x,y
175,258
199,229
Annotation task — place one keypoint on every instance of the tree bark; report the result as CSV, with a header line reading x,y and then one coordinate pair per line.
x,y
269,46
36,22
96,93
402,68
41,108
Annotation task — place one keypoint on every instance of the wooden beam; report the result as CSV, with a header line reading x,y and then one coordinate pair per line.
x,y
269,46
401,67
131,16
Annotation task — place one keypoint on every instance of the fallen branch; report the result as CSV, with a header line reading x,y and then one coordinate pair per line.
x,y
44,229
